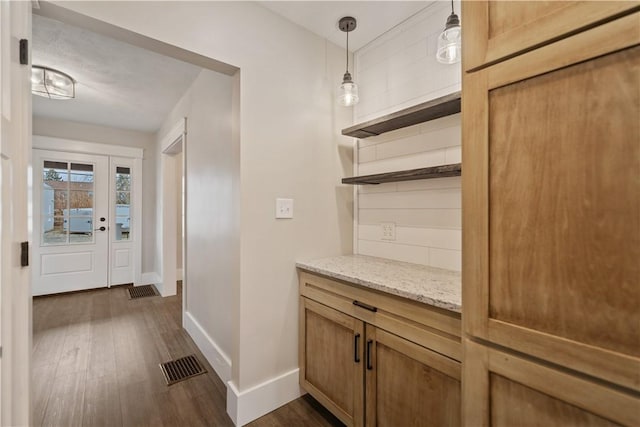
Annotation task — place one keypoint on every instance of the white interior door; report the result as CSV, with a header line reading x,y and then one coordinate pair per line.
x,y
71,221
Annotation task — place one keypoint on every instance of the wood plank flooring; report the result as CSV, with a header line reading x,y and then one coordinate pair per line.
x,y
95,363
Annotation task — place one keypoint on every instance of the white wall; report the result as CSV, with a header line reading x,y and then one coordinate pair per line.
x,y
290,146
106,135
395,71
211,211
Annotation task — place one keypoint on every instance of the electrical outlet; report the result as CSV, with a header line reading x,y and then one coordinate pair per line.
x,y
388,230
284,208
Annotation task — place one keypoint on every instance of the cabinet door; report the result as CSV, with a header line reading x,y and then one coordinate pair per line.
x,y
502,389
408,385
503,29
331,360
551,202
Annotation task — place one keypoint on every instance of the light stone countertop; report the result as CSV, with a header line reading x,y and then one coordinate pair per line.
x,y
428,285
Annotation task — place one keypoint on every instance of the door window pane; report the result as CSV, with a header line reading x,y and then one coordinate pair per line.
x,y
67,202
123,203
53,232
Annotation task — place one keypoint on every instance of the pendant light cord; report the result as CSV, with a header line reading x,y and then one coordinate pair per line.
x,y
452,7
347,51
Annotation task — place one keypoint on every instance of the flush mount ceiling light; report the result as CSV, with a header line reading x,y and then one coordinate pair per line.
x,y
450,41
348,94
52,84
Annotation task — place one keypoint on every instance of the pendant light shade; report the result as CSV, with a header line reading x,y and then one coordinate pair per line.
x,y
348,91
450,40
348,95
52,84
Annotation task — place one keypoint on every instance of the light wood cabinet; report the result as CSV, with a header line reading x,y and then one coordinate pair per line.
x,y
551,215
503,389
408,385
504,29
381,361
332,366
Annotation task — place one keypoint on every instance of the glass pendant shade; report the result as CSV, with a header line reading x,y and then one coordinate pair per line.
x,y
450,41
52,84
348,94
450,46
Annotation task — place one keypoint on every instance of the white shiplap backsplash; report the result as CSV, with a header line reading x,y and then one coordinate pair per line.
x,y
396,71
427,213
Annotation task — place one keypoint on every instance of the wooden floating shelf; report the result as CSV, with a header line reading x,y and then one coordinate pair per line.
x,y
430,110
444,171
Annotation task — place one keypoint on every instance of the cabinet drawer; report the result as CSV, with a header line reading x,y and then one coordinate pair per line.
x,y
431,327
499,30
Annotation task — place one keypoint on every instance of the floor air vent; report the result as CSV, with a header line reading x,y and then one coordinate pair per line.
x,y
181,369
142,291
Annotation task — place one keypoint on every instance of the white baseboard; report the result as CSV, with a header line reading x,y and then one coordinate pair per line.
x,y
214,355
179,274
150,278
248,405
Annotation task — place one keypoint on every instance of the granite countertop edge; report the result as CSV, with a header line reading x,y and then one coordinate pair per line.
x,y
421,293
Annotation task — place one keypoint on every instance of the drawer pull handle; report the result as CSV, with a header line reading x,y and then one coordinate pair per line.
x,y
369,364
356,344
365,306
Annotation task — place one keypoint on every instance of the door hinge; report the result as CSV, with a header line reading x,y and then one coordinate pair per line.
x,y
24,52
24,254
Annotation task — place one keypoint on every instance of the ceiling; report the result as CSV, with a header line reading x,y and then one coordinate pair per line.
x,y
321,17
118,85
124,86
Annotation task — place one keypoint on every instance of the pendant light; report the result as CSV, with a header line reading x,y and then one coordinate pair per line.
x,y
348,94
52,84
450,40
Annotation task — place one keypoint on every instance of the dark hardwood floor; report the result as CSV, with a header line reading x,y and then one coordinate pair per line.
x,y
95,363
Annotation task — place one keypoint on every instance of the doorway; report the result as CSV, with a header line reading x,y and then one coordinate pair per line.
x,y
86,221
173,197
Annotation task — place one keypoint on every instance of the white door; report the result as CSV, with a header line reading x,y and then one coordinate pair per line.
x,y
15,143
71,221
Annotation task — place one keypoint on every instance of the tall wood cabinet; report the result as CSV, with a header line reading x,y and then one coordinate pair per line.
x,y
551,213
381,361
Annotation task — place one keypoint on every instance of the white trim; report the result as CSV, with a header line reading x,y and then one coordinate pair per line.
x,y
248,405
149,278
85,147
172,137
179,273
211,351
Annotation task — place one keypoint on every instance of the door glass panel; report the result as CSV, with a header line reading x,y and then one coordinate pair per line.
x,y
123,203
67,203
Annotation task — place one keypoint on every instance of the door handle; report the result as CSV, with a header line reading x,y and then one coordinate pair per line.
x,y
356,353
103,228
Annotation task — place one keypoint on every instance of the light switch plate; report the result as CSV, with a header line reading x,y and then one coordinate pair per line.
x,y
284,208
